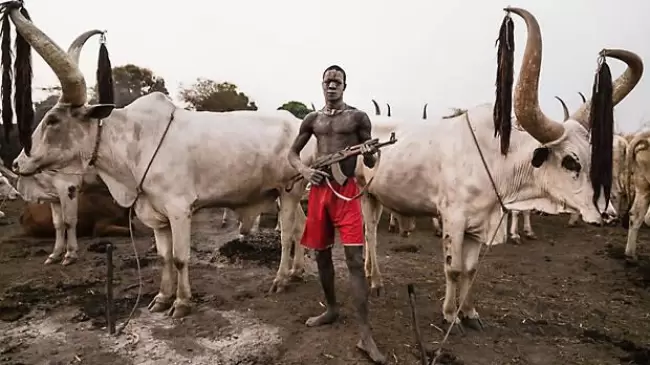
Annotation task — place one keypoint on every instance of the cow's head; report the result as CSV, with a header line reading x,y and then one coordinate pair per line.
x,y
67,132
562,162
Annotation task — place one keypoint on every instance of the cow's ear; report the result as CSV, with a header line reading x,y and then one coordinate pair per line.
x,y
99,111
539,156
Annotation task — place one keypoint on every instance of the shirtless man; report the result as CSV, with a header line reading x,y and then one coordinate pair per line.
x,y
337,126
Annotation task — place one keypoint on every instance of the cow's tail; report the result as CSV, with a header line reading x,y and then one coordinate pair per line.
x,y
638,143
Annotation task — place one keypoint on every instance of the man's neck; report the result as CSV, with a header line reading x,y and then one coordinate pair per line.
x,y
334,107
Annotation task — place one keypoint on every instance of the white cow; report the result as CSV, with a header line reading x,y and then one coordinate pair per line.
x,y
7,192
610,215
234,159
637,185
435,168
61,188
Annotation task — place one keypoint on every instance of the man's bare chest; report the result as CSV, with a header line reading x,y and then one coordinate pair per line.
x,y
333,125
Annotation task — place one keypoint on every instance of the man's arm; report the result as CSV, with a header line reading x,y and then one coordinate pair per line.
x,y
365,132
304,133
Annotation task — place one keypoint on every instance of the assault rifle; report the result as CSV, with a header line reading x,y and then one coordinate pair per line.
x,y
341,155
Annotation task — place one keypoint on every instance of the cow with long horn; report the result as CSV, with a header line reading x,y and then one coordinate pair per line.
x,y
547,166
234,159
610,216
53,198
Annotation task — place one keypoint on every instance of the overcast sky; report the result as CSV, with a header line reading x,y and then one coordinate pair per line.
x,y
405,52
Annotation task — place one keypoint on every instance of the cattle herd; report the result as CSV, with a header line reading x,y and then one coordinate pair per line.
x,y
87,165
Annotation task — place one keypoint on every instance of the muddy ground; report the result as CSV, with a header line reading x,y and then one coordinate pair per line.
x,y
566,298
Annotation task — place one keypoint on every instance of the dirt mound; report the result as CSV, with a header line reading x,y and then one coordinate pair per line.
x,y
262,247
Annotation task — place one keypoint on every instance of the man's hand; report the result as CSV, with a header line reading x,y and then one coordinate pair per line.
x,y
315,177
367,150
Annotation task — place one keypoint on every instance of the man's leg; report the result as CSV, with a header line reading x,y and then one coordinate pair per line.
x,y
326,275
354,260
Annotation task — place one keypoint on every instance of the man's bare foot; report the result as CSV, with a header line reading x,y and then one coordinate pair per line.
x,y
368,346
326,318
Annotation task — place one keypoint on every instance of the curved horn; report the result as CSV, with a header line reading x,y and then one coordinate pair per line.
x,y
73,84
388,109
564,108
74,51
526,103
424,111
582,96
313,107
621,87
377,111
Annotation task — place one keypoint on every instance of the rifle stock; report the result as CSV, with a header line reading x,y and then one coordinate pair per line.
x,y
341,155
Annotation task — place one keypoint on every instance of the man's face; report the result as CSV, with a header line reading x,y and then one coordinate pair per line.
x,y
333,85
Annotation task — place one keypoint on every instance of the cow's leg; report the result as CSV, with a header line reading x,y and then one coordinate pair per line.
x,y
514,227
471,253
406,225
162,301
289,203
105,227
298,268
224,218
372,209
256,224
181,226
637,215
278,225
392,222
452,242
573,219
437,228
70,216
528,228
59,236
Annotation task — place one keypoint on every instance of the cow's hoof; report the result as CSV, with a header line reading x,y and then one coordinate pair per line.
x,y
376,290
531,236
51,260
68,261
279,285
405,234
456,327
159,305
515,240
179,310
473,323
296,274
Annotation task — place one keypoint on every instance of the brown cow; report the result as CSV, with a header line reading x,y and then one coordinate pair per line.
x,y
98,215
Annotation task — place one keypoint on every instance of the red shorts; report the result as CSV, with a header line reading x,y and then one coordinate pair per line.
x,y
326,211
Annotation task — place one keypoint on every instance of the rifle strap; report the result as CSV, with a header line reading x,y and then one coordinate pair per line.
x,y
362,191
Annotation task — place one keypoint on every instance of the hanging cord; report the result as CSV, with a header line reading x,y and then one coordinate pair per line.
x,y
504,213
139,192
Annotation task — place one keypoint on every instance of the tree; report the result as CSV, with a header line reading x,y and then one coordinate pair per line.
x,y
131,82
298,109
208,95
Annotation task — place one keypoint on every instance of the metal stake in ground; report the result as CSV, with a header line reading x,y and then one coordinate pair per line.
x,y
416,324
110,322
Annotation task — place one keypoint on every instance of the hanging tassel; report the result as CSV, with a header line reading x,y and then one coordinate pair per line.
x,y
5,48
105,87
601,119
23,89
502,113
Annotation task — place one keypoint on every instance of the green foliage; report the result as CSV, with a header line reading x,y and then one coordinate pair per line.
x,y
132,82
208,95
298,109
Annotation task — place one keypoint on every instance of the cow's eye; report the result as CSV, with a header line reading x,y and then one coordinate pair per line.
x,y
571,164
